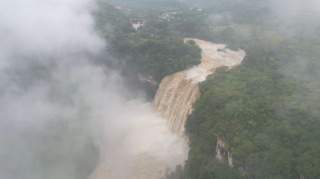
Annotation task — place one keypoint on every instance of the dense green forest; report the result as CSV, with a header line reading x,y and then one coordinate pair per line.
x,y
255,110
147,54
266,110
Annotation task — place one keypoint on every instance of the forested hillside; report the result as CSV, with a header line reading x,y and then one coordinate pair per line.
x,y
159,89
149,53
254,109
266,110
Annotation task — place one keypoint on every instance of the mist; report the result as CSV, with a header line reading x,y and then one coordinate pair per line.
x,y
66,114
60,113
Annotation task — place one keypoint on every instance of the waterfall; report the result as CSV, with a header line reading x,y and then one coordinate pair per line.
x,y
161,145
178,92
222,153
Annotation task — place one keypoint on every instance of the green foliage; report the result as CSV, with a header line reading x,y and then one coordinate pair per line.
x,y
267,110
151,52
109,20
251,107
157,57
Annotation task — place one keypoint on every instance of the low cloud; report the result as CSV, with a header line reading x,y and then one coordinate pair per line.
x,y
60,113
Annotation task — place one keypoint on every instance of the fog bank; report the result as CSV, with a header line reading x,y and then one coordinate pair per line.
x,y
57,108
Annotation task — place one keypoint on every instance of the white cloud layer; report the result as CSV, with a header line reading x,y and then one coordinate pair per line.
x,y
54,99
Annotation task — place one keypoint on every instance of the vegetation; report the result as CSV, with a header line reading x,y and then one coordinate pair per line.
x,y
266,110
147,54
253,109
